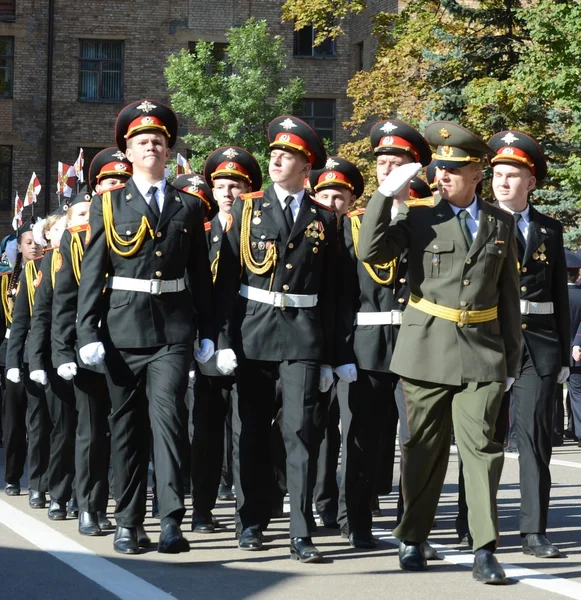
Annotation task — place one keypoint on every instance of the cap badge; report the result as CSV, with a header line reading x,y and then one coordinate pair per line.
x,y
231,166
146,120
507,151
509,138
285,137
388,127
230,154
146,106
387,141
331,164
196,181
330,175
87,198
120,167
447,151
444,133
119,155
288,124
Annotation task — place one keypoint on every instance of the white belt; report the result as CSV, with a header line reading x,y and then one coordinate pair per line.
x,y
279,299
536,308
154,287
7,334
392,317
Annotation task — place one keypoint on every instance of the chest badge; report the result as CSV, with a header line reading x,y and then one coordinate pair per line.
x,y
257,220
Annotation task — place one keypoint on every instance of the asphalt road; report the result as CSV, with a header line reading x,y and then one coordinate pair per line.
x,y
42,559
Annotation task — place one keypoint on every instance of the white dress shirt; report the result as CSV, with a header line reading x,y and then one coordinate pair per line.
x,y
295,205
525,221
472,220
223,220
144,187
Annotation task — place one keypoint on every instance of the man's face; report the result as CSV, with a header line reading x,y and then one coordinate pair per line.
x,y
385,163
512,183
458,182
148,151
288,167
227,190
108,183
339,199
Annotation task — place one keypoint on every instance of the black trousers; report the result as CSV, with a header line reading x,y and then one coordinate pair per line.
x,y
367,414
277,452
93,447
251,424
574,387
15,411
210,402
148,385
227,478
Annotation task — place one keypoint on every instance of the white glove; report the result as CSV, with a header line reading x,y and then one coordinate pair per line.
x,y
39,377
192,376
226,361
347,373
509,382
206,351
576,354
13,375
325,378
93,353
398,179
67,371
563,375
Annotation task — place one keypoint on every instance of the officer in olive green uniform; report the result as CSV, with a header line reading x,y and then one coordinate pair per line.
x,y
463,321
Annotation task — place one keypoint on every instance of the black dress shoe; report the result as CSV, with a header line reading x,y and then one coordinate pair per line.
x,y
57,511
203,523
538,545
429,552
104,522
250,539
89,524
143,540
304,550
363,540
155,508
171,540
73,508
487,570
12,489
36,499
225,493
328,521
125,540
411,557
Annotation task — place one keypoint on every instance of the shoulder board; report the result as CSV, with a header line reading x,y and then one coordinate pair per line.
x,y
322,205
419,202
356,212
115,187
251,195
79,228
207,226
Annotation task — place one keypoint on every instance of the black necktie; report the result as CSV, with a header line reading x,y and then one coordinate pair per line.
x,y
519,235
462,216
153,202
287,212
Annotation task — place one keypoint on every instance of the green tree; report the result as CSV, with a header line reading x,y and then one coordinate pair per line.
x,y
233,100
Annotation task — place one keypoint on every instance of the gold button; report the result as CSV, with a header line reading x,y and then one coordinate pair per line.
x,y
523,288
158,252
524,270
468,261
315,250
500,251
285,287
404,260
288,266
466,282
402,280
128,232
463,303
524,325
460,325
158,234
401,300
185,230
291,245
158,273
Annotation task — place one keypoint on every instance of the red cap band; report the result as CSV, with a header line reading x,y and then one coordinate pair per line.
x,y
295,143
398,143
508,153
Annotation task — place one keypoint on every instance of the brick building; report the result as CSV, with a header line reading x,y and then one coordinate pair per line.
x,y
66,70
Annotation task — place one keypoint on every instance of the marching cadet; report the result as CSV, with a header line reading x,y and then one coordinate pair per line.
x,y
230,171
463,320
276,318
574,381
17,412
518,166
144,237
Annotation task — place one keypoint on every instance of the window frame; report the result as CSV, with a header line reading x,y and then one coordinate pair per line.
x,y
311,118
313,54
7,11
100,99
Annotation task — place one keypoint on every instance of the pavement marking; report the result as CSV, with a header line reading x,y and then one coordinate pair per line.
x,y
537,579
108,575
514,456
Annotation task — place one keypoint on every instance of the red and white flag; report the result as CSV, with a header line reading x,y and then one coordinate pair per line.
x,y
78,166
183,166
33,190
18,206
65,180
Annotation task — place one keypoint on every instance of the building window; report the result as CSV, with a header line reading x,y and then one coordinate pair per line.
x,y
6,66
101,71
7,10
5,177
359,57
219,54
304,44
319,113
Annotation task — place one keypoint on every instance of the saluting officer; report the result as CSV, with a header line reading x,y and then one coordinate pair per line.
x,y
146,236
518,166
462,319
277,320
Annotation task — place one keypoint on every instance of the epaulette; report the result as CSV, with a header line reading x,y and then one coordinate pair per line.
x,y
251,195
419,202
207,226
115,187
79,228
356,212
322,205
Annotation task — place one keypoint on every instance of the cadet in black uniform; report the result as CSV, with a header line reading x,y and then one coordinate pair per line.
x,y
146,236
277,319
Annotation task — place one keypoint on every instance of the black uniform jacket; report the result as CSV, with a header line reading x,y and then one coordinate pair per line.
x,y
369,346
575,310
5,314
547,337
305,264
131,319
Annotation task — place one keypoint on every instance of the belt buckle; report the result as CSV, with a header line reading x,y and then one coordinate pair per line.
x,y
155,287
464,318
282,297
527,307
